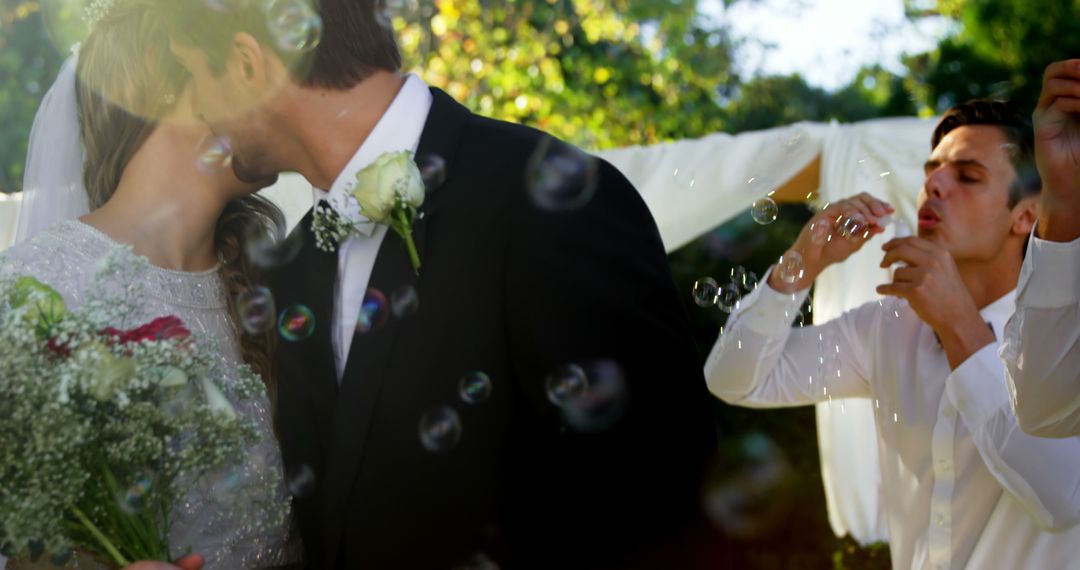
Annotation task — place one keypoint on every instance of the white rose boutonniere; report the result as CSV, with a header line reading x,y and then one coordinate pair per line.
x,y
389,191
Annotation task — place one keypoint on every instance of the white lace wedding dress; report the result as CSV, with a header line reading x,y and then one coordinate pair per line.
x,y
231,536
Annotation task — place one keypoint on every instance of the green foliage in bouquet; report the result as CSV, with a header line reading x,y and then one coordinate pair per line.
x,y
105,429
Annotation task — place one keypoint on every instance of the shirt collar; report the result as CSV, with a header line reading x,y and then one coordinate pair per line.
x,y
998,313
399,128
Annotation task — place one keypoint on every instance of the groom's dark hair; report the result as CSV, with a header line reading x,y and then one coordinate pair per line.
x,y
1014,123
355,40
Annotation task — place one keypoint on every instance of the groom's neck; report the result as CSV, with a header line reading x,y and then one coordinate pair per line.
x,y
327,126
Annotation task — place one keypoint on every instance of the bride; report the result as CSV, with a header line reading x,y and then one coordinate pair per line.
x,y
142,186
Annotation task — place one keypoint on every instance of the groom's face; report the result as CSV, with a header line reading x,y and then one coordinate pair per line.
x,y
964,205
232,101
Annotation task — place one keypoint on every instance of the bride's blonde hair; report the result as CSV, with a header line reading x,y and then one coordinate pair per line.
x,y
127,78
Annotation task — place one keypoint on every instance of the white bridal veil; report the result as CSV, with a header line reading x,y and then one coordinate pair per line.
x,y
53,189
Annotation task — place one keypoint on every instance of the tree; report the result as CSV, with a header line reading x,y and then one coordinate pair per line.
x,y
28,65
1000,50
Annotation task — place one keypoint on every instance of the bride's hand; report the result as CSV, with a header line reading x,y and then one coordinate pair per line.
x,y
189,562
832,235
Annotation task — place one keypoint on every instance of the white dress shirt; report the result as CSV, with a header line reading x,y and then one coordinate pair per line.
x,y
399,129
961,482
1042,340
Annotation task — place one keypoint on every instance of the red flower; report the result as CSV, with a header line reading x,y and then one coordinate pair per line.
x,y
164,328
61,350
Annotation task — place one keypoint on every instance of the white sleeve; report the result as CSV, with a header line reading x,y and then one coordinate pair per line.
x,y
1042,474
1041,348
761,361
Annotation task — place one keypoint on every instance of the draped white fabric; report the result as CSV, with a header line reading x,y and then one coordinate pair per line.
x,y
692,186
853,159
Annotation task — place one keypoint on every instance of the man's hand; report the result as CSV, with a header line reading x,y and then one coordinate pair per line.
x,y
1057,151
822,241
931,284
190,562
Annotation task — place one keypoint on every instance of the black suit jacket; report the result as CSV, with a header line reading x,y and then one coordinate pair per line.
x,y
513,291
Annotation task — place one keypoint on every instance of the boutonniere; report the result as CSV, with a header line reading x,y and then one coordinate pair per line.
x,y
388,192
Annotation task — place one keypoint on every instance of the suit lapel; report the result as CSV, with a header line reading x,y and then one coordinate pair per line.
x,y
371,355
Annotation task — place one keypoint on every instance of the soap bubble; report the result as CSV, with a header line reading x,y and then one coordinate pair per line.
x,y
374,312
727,299
432,170
790,268
560,177
440,429
301,481
214,154
256,310
296,323
705,292
566,383
764,211
475,388
747,493
295,25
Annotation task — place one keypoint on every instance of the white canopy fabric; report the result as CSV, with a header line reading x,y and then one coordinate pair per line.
x,y
692,186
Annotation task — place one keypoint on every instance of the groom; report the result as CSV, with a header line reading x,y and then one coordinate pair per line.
x,y
536,399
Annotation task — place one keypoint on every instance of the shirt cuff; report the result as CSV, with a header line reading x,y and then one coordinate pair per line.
x,y
1050,276
769,312
977,387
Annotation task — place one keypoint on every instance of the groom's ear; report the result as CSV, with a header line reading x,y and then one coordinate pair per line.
x,y
254,65
248,60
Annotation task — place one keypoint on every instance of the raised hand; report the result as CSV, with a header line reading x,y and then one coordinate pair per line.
x,y
189,562
1057,151
832,236
931,283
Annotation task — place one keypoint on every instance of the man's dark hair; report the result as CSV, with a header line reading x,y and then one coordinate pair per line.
x,y
1015,124
356,41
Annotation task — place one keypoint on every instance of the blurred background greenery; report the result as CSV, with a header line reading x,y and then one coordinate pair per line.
x,y
608,73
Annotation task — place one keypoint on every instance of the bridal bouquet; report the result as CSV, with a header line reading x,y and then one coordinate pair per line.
x,y
103,428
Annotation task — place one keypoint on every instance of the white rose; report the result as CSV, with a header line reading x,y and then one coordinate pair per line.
x,y
393,177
